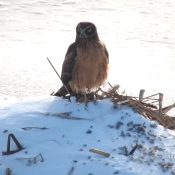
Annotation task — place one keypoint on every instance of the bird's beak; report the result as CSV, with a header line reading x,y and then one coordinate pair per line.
x,y
82,34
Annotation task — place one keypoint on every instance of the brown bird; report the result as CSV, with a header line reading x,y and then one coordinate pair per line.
x,y
85,65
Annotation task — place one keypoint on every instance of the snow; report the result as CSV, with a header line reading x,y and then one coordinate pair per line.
x,y
63,132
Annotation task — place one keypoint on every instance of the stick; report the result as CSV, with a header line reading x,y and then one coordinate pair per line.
x,y
8,171
133,149
152,95
168,108
160,103
110,85
97,151
123,102
142,91
58,75
71,171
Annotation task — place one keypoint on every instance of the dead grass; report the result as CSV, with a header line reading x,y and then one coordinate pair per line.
x,y
148,107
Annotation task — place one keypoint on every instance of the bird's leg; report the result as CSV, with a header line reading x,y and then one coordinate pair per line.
x,y
85,99
78,97
95,98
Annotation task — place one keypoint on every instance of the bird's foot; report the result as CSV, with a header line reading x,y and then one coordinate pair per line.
x,y
91,97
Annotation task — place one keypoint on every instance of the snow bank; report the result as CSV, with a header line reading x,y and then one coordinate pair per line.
x,y
62,133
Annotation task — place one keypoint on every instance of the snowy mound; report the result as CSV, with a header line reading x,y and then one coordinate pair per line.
x,y
57,136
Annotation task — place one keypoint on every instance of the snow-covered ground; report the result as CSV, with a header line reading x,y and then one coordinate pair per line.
x,y
63,132
140,39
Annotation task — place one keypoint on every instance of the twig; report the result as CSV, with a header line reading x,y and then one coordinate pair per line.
x,y
66,115
133,149
113,90
167,108
17,143
33,127
123,102
149,107
58,75
110,85
152,95
33,160
8,171
141,94
104,93
97,151
71,171
160,104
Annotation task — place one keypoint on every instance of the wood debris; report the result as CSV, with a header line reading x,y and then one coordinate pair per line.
x,y
149,107
8,171
19,147
97,151
33,160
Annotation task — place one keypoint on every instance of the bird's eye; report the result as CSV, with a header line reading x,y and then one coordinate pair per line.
x,y
89,30
78,30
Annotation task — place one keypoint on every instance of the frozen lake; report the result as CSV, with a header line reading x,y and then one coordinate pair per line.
x,y
139,35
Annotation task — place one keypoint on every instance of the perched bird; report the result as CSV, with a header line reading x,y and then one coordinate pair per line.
x,y
85,65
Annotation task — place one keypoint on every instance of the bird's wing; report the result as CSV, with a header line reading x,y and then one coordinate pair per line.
x,y
106,53
105,50
69,63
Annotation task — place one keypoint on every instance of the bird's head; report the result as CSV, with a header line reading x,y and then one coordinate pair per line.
x,y
86,30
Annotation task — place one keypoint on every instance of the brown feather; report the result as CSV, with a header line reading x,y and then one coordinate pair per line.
x,y
90,70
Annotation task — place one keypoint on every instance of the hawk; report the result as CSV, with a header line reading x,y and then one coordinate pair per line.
x,y
85,66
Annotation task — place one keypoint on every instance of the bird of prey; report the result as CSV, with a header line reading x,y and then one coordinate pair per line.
x,y
85,66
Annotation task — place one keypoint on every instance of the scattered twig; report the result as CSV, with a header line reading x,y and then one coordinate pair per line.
x,y
160,104
66,115
58,75
167,108
97,151
8,171
62,115
145,106
141,94
149,97
110,85
71,171
34,127
33,160
17,143
149,107
133,149
123,102
123,151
